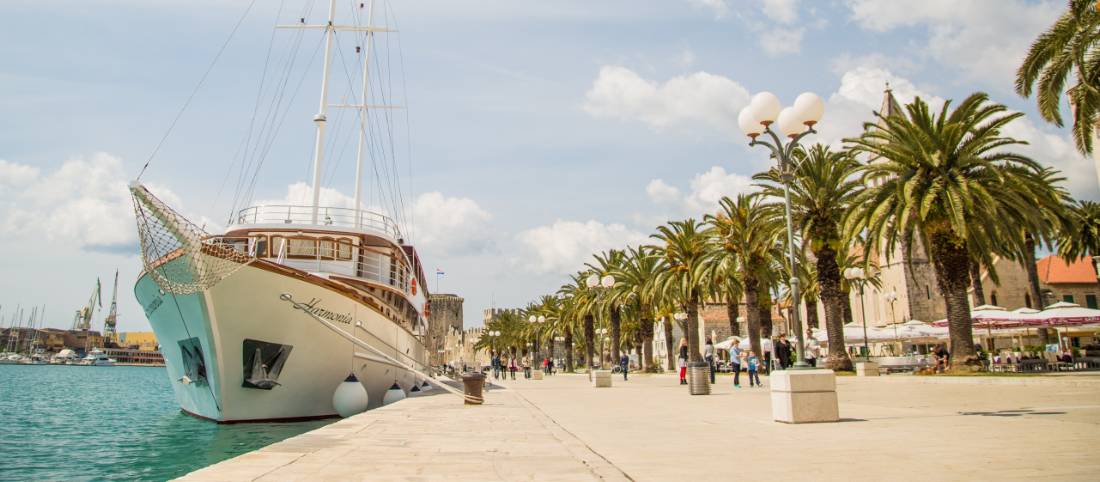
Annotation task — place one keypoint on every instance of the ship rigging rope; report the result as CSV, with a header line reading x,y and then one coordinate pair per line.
x,y
362,344
198,86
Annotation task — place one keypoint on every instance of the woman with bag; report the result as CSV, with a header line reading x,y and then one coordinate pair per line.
x,y
683,361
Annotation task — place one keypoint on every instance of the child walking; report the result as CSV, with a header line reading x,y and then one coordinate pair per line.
x,y
754,365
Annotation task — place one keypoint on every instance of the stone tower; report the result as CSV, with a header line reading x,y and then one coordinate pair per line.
x,y
445,316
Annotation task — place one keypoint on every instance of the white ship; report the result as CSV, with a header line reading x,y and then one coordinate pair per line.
x,y
229,309
97,358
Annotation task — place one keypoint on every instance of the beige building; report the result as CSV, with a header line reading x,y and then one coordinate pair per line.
x,y
444,317
138,340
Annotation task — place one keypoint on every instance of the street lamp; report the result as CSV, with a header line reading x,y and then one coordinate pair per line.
x,y
793,123
859,277
601,332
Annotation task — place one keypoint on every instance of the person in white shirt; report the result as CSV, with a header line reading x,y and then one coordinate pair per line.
x,y
735,363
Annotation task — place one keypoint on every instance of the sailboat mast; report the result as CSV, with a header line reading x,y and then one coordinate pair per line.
x,y
363,119
320,118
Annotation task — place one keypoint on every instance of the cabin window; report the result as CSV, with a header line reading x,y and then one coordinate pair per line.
x,y
259,244
327,248
343,250
301,248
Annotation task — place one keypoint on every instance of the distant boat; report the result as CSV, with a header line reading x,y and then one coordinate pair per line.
x,y
97,358
64,357
11,359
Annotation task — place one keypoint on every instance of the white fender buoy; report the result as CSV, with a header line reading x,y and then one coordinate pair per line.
x,y
426,387
415,388
394,394
350,397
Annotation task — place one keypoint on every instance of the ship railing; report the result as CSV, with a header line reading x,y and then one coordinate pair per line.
x,y
326,216
326,256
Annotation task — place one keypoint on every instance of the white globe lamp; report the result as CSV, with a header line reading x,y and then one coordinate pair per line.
x,y
789,123
765,107
592,281
607,281
809,107
746,120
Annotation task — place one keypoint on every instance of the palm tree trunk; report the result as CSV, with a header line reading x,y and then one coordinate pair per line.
x,y
589,340
647,345
766,328
754,315
1033,281
692,331
616,333
668,342
731,313
952,264
976,283
811,314
569,350
836,301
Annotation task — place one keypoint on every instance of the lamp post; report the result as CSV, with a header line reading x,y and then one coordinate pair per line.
x,y
596,282
536,320
794,123
859,277
601,332
891,297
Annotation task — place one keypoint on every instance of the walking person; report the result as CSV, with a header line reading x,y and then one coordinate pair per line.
x,y
812,348
754,370
550,366
512,366
735,363
708,354
527,366
683,359
783,352
624,364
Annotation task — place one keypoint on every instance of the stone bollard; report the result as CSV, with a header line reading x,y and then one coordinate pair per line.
x,y
601,378
472,384
699,378
804,396
867,369
536,375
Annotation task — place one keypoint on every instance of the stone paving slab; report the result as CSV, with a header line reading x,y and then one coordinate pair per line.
x,y
428,437
651,428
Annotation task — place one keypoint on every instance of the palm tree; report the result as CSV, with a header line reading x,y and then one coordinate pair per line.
x,y
579,300
684,250
742,229
823,184
939,180
634,286
1080,234
1067,46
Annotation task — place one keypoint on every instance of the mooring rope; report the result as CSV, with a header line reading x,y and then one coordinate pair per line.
x,y
360,343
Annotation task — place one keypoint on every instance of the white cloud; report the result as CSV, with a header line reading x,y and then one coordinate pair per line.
x,y
783,11
984,39
450,225
706,189
564,246
85,202
781,40
660,192
620,93
16,175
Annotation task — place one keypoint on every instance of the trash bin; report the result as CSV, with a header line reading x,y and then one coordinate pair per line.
x,y
472,383
699,378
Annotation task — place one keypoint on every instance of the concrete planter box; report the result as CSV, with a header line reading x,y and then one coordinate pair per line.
x,y
804,396
601,378
867,369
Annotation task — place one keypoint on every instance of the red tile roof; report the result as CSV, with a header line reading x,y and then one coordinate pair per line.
x,y
1055,270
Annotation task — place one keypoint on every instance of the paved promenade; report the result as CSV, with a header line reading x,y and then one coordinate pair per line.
x,y
649,428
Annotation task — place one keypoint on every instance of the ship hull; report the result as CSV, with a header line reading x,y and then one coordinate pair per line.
x,y
211,340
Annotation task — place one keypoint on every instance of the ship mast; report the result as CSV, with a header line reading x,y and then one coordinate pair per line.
x,y
320,118
363,119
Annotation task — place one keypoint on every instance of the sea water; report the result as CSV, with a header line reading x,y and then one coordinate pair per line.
x,y
111,423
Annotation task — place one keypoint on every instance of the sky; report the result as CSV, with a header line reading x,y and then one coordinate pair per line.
x,y
532,133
